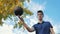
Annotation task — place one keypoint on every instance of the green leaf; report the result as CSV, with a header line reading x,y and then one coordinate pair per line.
x,y
19,24
15,26
1,23
28,12
28,0
21,0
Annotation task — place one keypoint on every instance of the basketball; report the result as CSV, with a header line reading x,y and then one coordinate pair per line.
x,y
18,11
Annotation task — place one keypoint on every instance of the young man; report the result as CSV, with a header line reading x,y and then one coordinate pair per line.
x,y
42,27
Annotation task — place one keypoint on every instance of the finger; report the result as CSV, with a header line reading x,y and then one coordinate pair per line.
x,y
18,16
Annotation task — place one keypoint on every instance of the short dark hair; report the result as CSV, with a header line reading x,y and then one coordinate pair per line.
x,y
40,11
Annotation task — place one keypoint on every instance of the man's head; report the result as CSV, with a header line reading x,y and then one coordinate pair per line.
x,y
40,14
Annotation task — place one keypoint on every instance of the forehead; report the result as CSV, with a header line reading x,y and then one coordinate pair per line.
x,y
39,13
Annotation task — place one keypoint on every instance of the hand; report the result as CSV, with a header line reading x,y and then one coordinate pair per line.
x,y
21,19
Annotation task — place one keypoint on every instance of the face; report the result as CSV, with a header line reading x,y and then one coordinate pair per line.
x,y
40,16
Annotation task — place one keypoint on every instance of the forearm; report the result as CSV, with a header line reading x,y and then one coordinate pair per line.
x,y
52,32
27,27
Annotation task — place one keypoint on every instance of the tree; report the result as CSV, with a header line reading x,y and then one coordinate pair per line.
x,y
7,8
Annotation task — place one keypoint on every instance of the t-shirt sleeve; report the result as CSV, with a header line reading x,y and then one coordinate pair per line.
x,y
34,27
50,25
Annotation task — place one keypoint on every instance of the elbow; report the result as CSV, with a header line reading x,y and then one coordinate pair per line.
x,y
30,31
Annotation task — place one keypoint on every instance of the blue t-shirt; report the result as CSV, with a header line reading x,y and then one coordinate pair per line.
x,y
43,28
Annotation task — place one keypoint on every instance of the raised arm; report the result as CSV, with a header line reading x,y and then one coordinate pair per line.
x,y
25,25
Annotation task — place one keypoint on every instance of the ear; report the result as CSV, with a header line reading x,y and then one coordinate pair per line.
x,y
43,15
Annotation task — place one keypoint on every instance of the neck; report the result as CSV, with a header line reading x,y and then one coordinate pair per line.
x,y
40,21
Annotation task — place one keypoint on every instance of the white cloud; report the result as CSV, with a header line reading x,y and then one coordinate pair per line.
x,y
6,29
57,28
35,6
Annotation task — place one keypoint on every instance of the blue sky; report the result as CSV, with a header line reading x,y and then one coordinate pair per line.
x,y
52,8
51,13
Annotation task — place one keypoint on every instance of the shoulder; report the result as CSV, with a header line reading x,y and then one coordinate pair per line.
x,y
46,22
35,25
